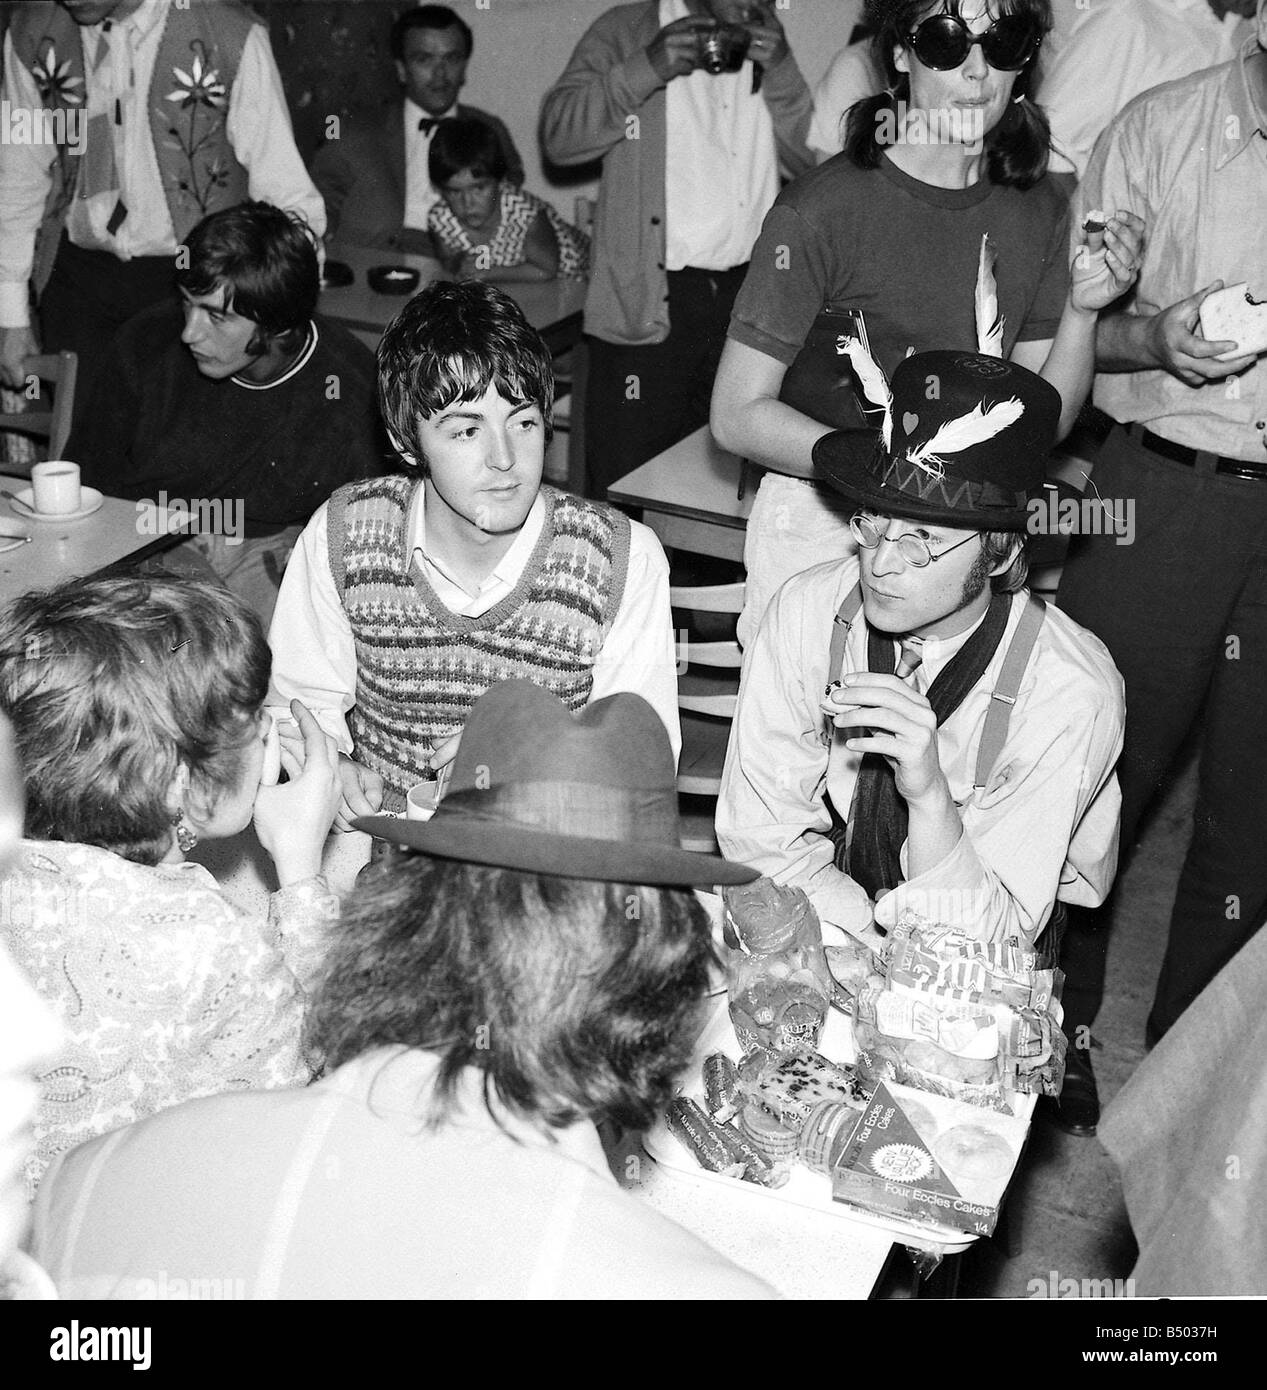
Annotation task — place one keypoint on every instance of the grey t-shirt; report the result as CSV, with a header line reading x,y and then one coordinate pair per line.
x,y
906,254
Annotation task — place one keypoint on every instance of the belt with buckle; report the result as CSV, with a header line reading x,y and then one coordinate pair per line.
x,y
1180,453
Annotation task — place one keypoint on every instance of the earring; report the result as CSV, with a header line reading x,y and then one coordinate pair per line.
x,y
185,837
1016,101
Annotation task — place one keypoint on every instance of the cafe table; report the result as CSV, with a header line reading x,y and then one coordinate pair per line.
x,y
689,496
59,549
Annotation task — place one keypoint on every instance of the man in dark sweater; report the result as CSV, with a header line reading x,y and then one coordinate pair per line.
x,y
251,415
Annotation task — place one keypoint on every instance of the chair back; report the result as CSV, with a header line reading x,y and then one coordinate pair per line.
x,y
48,422
708,690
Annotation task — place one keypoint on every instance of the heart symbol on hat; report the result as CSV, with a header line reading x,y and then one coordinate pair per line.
x,y
909,422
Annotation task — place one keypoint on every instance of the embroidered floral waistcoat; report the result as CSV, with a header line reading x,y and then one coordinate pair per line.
x,y
188,102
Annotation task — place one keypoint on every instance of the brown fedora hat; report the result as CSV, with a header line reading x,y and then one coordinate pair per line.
x,y
585,795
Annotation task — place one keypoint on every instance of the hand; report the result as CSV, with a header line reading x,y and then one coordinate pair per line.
x,y
362,793
1107,263
16,345
1176,345
292,821
674,51
444,753
769,42
903,724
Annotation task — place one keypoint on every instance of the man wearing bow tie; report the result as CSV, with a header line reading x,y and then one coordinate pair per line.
x,y
375,181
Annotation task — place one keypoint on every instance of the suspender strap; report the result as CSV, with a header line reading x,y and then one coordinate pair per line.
x,y
1003,696
840,626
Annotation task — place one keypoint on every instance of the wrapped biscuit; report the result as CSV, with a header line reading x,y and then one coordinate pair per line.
x,y
706,1140
722,1094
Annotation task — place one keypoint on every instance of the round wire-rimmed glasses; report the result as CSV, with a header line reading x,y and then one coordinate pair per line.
x,y
915,550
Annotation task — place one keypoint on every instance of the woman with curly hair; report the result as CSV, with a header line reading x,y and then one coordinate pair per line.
x,y
533,966
952,154
137,708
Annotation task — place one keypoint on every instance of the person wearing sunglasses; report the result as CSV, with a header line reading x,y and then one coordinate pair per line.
x,y
954,152
914,731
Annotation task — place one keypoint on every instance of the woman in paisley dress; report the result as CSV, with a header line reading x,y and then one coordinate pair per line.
x,y
484,227
137,706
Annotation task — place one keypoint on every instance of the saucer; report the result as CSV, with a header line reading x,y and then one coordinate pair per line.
x,y
90,500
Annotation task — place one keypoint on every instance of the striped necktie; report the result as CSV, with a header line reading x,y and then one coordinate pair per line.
x,y
99,173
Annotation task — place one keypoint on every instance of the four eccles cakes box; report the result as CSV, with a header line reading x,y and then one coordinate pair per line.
x,y
929,1159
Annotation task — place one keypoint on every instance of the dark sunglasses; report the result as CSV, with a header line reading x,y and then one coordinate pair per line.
x,y
943,41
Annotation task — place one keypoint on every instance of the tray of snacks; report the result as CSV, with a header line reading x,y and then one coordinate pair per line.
x,y
773,1102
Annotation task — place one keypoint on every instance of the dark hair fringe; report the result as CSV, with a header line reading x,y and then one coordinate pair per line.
x,y
1017,149
575,999
465,143
449,344
428,17
111,683
267,260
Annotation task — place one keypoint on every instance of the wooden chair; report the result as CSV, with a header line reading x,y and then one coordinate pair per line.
x,y
53,424
708,691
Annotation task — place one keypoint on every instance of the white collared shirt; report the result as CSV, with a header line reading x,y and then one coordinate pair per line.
x,y
257,127
421,195
721,170
1044,827
314,655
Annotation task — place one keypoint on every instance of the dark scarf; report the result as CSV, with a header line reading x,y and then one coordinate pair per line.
x,y
878,816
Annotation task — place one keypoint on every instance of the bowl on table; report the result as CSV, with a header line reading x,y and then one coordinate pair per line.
x,y
393,279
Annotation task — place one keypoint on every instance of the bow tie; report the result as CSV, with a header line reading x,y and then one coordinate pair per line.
x,y
427,125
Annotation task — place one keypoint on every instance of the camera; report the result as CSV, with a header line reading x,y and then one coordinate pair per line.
x,y
724,48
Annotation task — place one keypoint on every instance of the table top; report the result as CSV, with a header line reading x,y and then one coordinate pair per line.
x,y
695,478
60,550
552,307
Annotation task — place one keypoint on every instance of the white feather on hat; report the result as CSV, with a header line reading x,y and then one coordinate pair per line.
x,y
874,384
963,432
989,320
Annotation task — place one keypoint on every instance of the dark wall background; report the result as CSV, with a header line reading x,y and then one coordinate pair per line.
x,y
333,59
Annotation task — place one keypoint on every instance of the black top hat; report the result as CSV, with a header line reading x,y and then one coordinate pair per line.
x,y
966,444
586,795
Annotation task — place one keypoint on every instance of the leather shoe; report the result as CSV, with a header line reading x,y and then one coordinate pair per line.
x,y
1076,1109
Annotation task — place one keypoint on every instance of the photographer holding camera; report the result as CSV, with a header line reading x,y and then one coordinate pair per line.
x,y
677,219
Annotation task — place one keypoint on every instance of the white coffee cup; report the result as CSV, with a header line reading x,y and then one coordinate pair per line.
x,y
55,487
421,800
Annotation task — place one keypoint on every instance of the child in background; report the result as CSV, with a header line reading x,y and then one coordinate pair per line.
x,y
484,226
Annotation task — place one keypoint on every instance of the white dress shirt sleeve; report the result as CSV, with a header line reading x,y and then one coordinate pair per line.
x,y
639,654
771,812
258,127
1045,827
24,183
314,656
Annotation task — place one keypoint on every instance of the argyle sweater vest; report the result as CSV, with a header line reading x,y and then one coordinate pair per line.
x,y
421,667
188,102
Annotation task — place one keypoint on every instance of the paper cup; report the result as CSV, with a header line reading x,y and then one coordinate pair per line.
x,y
421,800
55,487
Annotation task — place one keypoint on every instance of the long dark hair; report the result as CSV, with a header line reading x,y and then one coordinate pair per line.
x,y
575,999
1016,149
